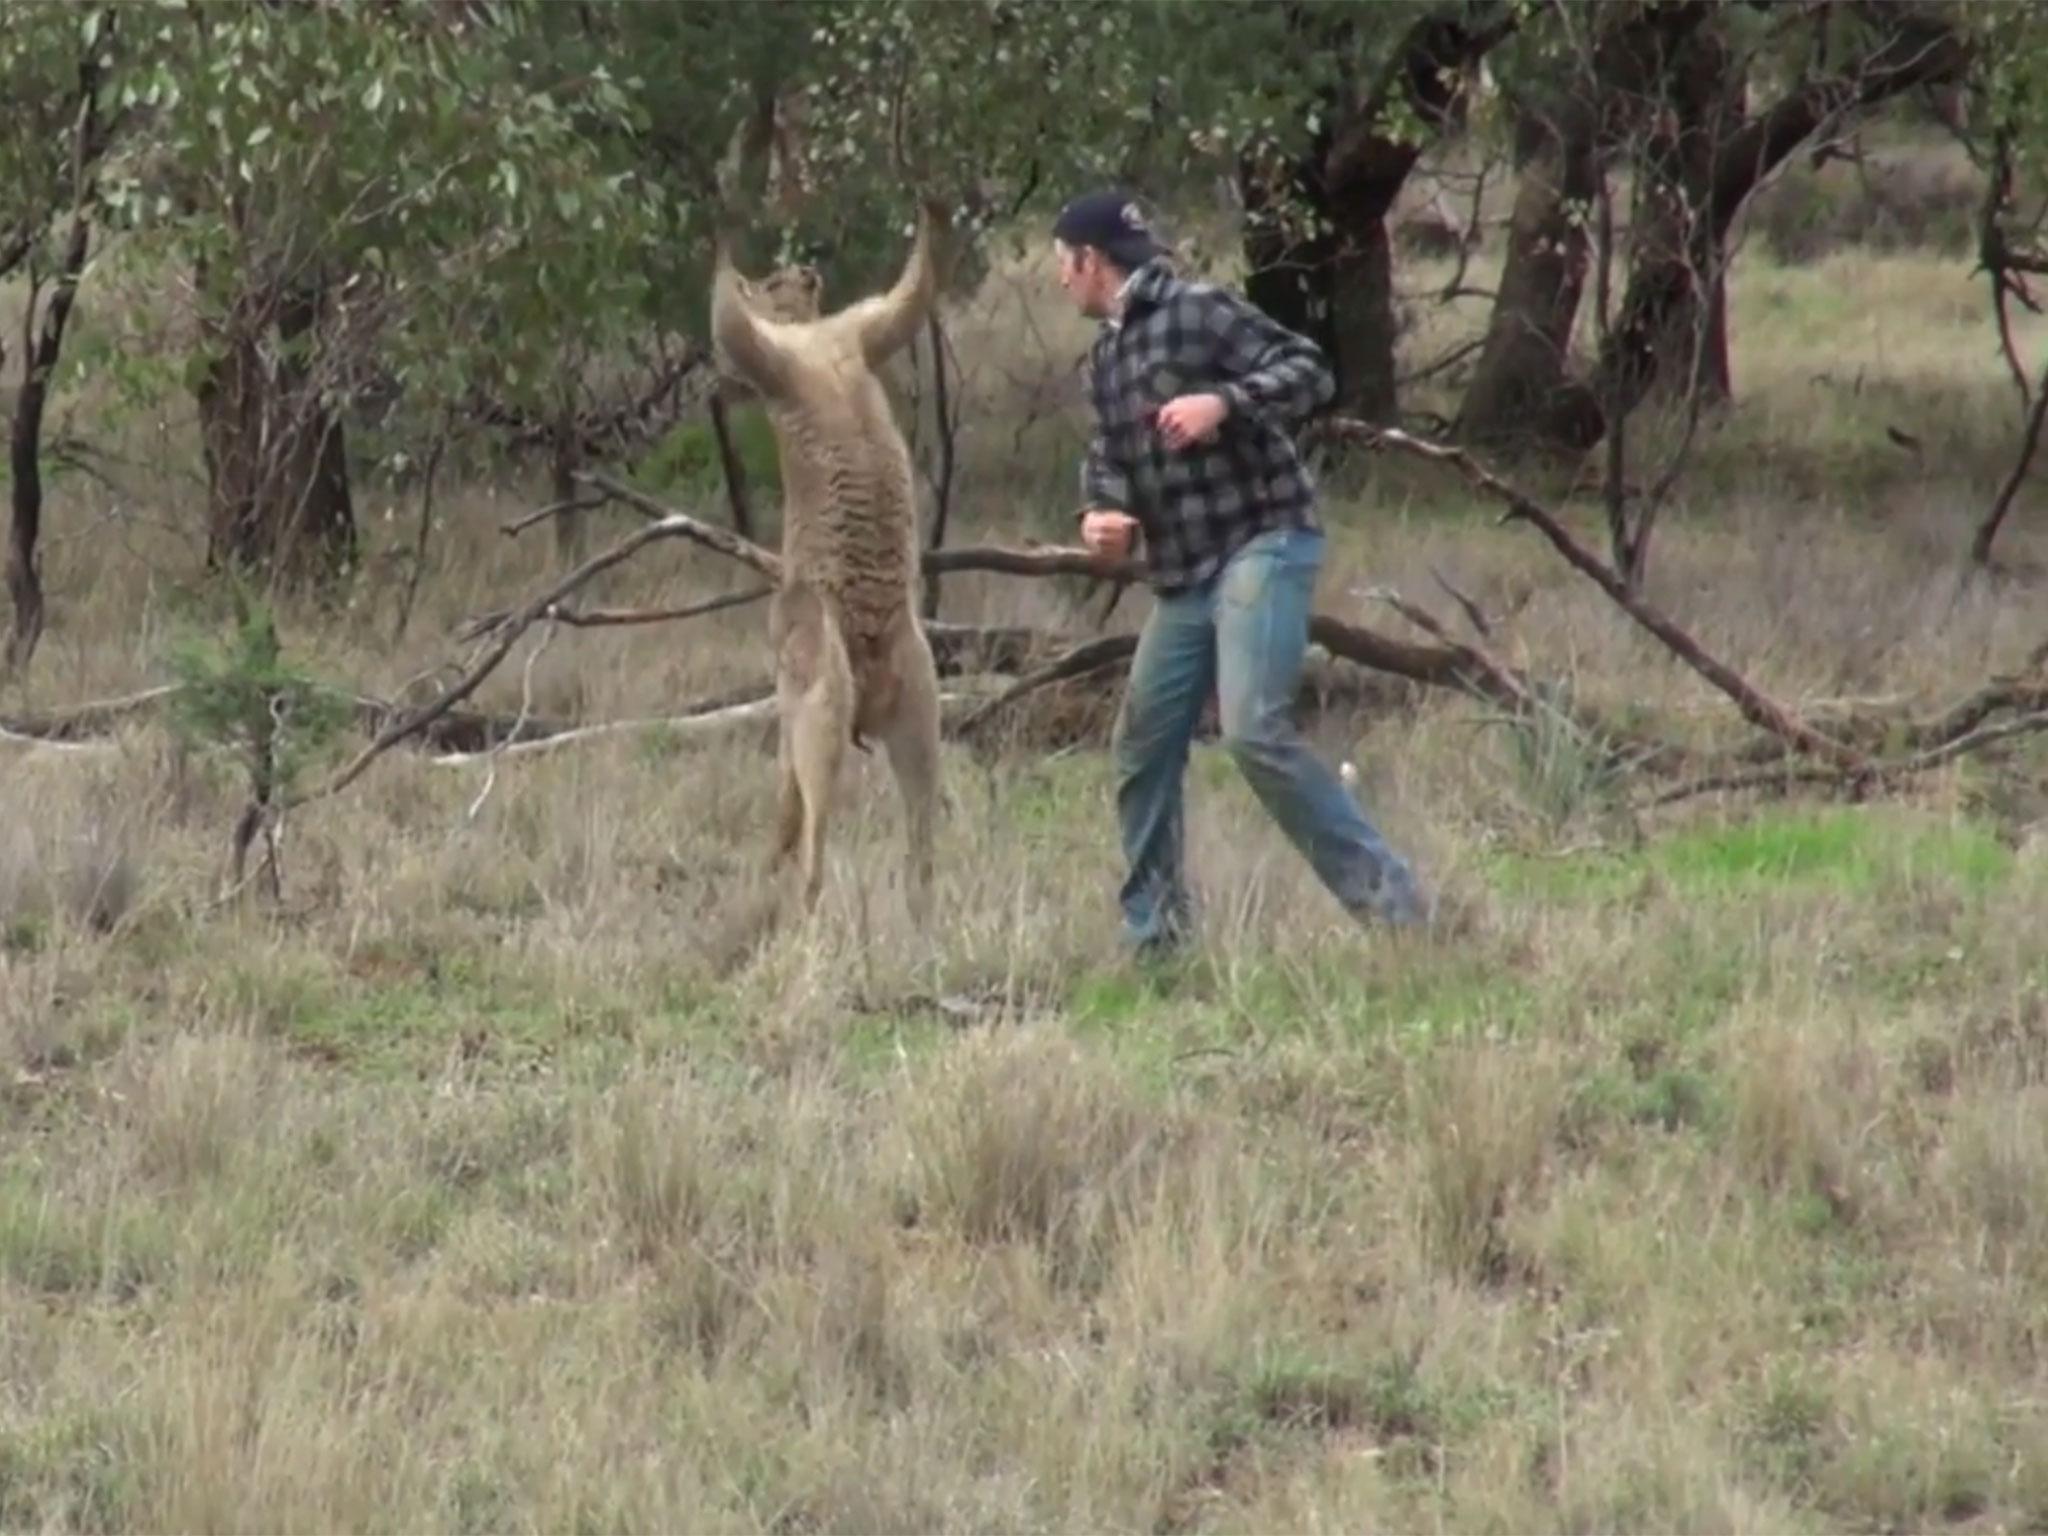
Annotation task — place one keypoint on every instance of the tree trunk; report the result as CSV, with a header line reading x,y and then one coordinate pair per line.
x,y
564,461
731,466
276,461
1290,250
1659,307
45,345
1333,279
25,453
1362,320
1521,381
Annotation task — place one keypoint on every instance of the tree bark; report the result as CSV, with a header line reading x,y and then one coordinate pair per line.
x,y
1735,156
25,440
1330,276
1521,380
731,465
280,505
564,461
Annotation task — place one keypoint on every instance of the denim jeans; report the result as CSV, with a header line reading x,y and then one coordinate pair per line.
x,y
1244,632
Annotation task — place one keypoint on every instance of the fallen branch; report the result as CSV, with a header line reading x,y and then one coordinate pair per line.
x,y
987,647
51,743
1083,660
85,719
1435,666
611,618
694,723
507,635
1863,777
1501,682
547,637
1044,560
708,722
1757,707
681,525
564,508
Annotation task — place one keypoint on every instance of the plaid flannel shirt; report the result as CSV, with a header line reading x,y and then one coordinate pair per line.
x,y
1197,506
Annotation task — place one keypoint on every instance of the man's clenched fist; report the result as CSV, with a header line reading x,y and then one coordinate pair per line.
x,y
1108,535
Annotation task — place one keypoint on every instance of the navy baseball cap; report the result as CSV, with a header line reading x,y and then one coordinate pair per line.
x,y
1113,223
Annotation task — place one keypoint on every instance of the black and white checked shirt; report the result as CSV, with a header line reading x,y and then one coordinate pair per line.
x,y
1198,505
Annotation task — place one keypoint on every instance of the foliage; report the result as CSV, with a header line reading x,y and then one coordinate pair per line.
x,y
42,51
686,460
241,700
438,197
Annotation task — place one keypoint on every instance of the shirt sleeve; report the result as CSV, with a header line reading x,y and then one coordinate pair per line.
x,y
1271,373
1104,485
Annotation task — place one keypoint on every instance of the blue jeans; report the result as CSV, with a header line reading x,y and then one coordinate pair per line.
x,y
1244,632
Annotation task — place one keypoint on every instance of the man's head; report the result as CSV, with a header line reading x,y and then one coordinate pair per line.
x,y
1100,239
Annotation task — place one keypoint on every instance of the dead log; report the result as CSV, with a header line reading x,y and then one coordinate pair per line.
x,y
1084,660
85,720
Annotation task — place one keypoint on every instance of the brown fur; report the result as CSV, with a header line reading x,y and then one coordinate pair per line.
x,y
851,659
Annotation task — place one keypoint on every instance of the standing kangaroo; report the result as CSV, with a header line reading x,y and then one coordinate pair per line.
x,y
850,655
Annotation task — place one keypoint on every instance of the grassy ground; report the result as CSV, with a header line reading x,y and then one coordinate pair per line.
x,y
492,1185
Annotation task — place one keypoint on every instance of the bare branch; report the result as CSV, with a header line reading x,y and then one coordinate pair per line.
x,y
1756,707
614,618
425,530
1503,684
942,481
682,525
1858,778
566,508
731,466
1041,560
2030,440
691,723
1083,660
1474,614
508,633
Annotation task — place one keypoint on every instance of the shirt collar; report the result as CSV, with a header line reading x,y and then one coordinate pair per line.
x,y
1138,285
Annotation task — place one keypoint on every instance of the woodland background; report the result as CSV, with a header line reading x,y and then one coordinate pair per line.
x,y
405,1114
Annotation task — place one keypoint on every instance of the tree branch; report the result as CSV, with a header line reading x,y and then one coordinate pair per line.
x,y
508,633
2030,441
1868,774
614,618
1084,660
682,525
1756,707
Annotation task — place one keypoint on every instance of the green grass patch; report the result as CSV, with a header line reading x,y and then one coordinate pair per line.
x,y
71,1245
1848,850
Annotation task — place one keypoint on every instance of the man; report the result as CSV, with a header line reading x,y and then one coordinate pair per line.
x,y
1194,393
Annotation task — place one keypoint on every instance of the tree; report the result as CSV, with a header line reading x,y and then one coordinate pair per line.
x,y
1709,155
359,193
1316,239
52,65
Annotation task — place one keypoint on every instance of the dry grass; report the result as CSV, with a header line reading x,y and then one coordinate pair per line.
x,y
490,1186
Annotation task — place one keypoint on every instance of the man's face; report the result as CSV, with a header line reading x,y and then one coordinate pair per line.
x,y
1090,281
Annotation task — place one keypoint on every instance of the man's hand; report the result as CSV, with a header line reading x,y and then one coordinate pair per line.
x,y
1108,535
1191,418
